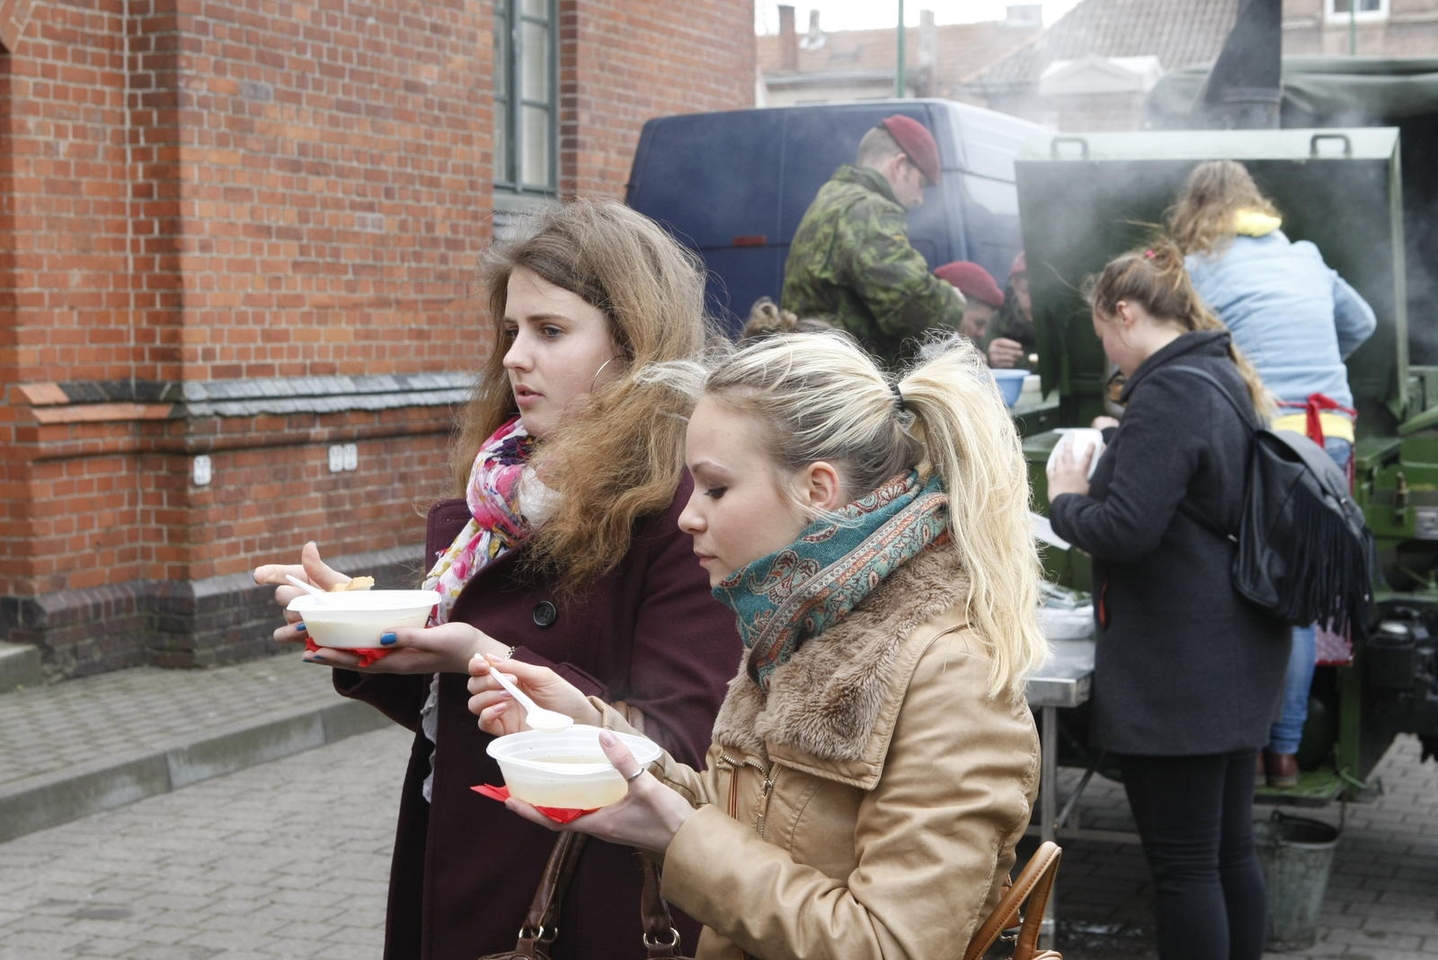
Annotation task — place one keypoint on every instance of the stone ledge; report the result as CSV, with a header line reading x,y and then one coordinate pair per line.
x,y
19,666
90,400
38,803
187,624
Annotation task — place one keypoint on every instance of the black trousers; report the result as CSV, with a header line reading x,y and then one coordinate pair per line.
x,y
1195,818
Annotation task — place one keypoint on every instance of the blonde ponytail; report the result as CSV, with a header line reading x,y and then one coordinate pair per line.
x,y
821,397
969,439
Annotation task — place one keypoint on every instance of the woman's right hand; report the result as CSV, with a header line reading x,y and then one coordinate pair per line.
x,y
311,569
497,711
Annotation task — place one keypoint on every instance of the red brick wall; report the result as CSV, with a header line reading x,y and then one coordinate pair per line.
x,y
246,231
623,63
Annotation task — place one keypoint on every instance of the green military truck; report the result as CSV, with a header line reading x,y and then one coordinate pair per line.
x,y
1349,164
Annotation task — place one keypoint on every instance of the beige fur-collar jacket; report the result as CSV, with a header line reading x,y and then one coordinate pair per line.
x,y
878,793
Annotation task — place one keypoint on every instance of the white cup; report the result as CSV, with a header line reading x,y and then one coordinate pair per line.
x,y
1080,440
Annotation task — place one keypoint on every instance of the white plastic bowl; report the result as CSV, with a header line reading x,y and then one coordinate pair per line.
x,y
568,769
1059,623
357,618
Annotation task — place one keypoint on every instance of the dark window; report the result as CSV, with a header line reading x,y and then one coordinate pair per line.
x,y
1341,8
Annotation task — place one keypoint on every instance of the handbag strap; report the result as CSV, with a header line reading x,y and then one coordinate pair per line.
x,y
541,923
1034,884
661,937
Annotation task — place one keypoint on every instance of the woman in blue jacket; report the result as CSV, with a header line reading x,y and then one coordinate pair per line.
x,y
1187,673
1297,321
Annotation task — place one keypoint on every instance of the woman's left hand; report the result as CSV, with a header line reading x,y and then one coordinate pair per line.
x,y
647,818
1068,473
446,648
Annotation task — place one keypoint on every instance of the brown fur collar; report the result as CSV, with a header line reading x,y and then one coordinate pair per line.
x,y
825,702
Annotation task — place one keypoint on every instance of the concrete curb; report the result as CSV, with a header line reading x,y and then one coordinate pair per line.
x,y
48,800
20,666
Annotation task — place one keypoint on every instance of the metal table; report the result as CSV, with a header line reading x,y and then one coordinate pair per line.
x,y
1064,681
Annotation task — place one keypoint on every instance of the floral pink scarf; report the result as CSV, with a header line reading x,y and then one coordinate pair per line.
x,y
500,480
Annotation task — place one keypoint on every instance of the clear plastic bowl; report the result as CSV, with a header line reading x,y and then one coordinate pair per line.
x,y
568,769
356,618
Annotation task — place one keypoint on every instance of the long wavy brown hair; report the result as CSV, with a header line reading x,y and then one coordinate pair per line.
x,y
1155,278
1201,219
618,455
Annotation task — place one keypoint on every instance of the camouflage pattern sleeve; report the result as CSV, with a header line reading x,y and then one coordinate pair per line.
x,y
892,277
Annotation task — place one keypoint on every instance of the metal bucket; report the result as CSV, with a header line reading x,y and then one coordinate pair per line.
x,y
1297,858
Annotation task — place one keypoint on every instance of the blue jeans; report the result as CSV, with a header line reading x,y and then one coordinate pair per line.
x,y
1288,731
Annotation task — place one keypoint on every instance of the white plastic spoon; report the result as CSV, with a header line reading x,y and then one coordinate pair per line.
x,y
306,587
546,721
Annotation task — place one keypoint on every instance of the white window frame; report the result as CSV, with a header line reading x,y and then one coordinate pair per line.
x,y
1333,16
510,105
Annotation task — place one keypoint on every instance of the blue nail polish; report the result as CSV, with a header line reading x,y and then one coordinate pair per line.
x,y
386,639
300,627
316,658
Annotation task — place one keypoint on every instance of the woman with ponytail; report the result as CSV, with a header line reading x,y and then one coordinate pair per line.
x,y
1187,673
874,763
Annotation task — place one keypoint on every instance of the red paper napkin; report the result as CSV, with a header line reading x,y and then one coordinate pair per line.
x,y
367,655
557,814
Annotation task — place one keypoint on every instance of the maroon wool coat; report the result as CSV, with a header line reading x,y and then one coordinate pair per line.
x,y
650,634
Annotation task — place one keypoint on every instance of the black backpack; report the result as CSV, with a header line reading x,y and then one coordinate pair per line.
x,y
1304,549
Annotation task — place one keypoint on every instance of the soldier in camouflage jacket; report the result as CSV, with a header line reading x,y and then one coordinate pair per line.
x,y
851,262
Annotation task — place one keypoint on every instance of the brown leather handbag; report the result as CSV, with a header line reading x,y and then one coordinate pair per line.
x,y
1034,884
661,939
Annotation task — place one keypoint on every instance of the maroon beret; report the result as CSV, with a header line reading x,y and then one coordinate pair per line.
x,y
1020,265
973,282
916,141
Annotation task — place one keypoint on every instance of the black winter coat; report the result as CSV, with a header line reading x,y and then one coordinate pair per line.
x,y
1184,665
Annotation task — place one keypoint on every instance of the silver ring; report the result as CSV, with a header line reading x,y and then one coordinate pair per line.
x,y
634,776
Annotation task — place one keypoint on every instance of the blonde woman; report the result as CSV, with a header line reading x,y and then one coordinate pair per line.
x,y
1298,321
559,548
874,762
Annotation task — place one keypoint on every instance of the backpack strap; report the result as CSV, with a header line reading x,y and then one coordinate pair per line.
x,y
1218,385
1243,417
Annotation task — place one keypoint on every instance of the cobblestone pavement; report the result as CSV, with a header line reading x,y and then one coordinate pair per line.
x,y
1381,901
245,856
284,859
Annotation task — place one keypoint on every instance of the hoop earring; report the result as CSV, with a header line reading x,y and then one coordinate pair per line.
x,y
593,383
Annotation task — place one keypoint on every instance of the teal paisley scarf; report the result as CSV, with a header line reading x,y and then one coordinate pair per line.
x,y
796,593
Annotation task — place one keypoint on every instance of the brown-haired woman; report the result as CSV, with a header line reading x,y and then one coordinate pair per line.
x,y
561,547
1187,673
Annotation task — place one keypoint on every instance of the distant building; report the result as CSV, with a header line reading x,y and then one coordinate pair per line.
x,y
817,65
1092,69
236,305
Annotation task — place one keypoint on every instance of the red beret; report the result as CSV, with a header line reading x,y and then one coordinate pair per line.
x,y
916,141
1020,265
973,282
